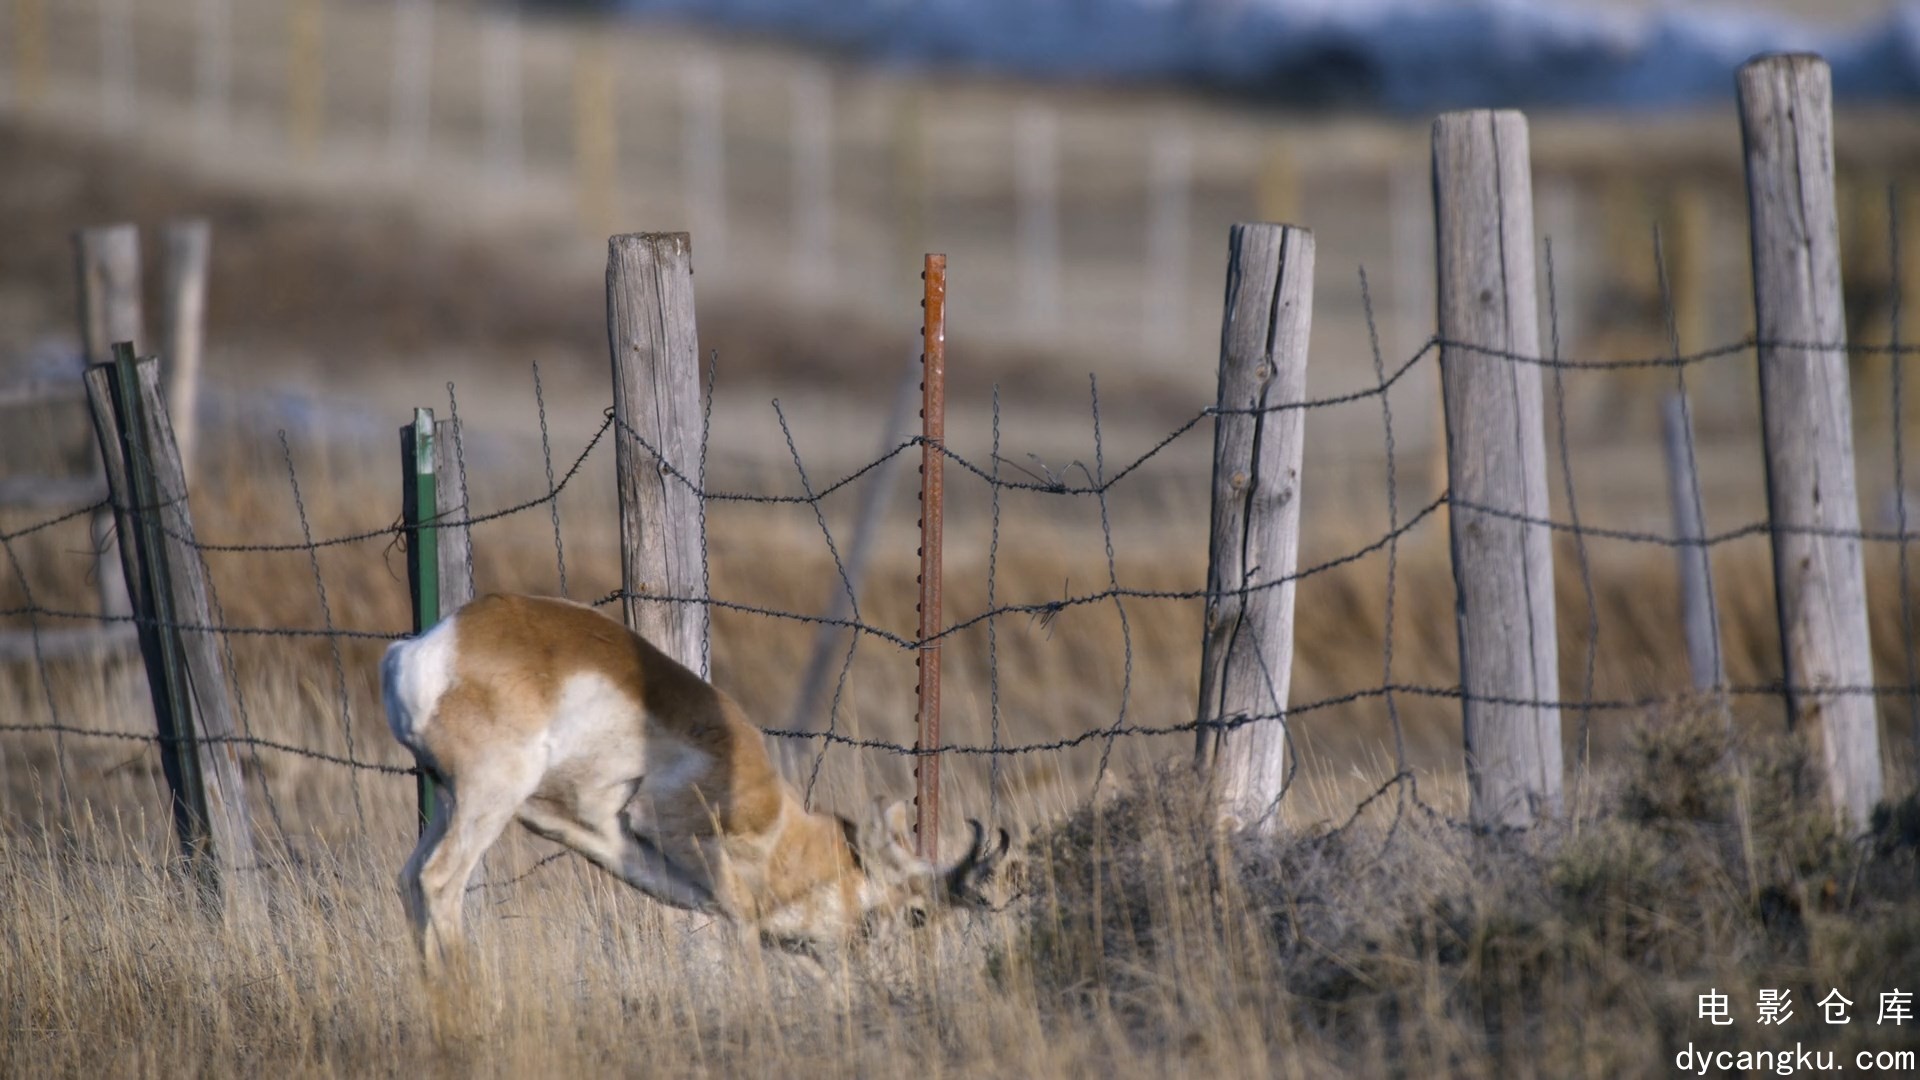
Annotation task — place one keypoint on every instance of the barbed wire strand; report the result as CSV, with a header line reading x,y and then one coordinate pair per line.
x,y
1099,484
1400,768
706,560
40,669
399,530
993,632
1772,689
466,494
1113,581
546,458
1693,460
326,617
846,584
235,685
1580,555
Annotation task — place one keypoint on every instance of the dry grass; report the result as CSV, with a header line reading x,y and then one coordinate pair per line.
x,y
1144,945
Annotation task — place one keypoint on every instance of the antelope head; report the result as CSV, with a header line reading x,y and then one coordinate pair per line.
x,y
898,879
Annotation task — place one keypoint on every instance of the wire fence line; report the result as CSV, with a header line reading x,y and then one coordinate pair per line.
x,y
1495,450
1098,485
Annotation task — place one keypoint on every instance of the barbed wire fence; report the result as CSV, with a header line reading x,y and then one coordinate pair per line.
x,y
1536,702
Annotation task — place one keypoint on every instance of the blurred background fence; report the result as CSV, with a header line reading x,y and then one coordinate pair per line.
x,y
1074,218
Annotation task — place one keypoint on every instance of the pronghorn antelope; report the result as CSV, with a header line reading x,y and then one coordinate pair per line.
x,y
550,712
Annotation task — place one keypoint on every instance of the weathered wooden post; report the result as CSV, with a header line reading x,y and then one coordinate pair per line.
x,y
109,264
1786,116
187,245
454,536
1246,664
186,668
656,409
1497,466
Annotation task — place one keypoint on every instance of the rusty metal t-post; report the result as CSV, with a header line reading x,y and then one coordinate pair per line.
x,y
933,429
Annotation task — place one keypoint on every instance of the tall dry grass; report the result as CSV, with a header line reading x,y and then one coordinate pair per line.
x,y
1142,944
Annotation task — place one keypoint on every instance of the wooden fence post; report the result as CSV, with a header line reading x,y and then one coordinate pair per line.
x,y
109,265
656,398
420,511
1497,466
455,541
1786,115
1246,663
187,245
186,669
1696,568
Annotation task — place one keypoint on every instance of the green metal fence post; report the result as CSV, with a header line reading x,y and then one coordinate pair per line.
x,y
419,510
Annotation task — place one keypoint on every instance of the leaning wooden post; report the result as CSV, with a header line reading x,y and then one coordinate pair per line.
x,y
420,511
1246,661
1786,115
185,665
109,265
1696,568
656,410
184,280
1497,466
